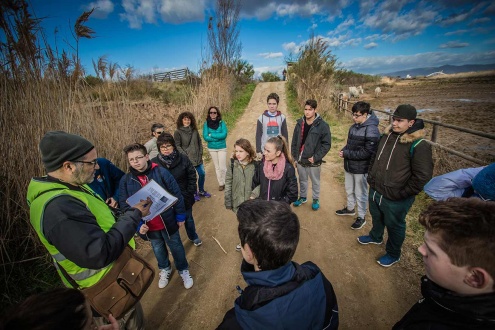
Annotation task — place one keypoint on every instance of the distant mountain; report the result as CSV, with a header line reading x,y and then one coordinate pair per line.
x,y
449,69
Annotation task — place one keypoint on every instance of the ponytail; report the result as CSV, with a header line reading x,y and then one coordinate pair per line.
x,y
281,145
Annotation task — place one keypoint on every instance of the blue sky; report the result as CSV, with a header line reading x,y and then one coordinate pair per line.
x,y
366,36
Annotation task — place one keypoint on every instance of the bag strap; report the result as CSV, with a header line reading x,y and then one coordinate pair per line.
x,y
67,276
413,145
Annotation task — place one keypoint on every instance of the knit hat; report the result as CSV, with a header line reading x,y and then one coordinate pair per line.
x,y
57,147
484,183
405,111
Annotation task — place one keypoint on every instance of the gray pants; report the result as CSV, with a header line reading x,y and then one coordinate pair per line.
x,y
356,188
314,174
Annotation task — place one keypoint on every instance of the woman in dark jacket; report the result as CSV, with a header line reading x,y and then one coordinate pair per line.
x,y
184,173
275,177
189,143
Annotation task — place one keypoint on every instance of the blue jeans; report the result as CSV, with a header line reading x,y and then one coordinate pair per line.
x,y
158,240
201,176
190,227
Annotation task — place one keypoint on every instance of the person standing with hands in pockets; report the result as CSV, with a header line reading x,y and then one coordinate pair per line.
x,y
311,141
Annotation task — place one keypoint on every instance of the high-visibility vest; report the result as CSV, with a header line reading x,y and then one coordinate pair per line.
x,y
40,193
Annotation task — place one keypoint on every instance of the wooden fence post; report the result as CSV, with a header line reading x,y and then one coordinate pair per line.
x,y
434,132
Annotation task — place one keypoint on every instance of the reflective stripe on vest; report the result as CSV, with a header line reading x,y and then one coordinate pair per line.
x,y
40,193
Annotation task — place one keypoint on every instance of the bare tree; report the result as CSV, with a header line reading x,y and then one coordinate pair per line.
x,y
223,34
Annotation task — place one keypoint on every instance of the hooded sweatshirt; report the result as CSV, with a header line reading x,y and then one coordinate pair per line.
x,y
269,126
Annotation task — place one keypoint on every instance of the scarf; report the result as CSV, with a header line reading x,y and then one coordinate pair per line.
x,y
168,160
145,172
213,124
275,171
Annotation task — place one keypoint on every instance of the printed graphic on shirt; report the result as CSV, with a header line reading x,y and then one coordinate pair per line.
x,y
272,128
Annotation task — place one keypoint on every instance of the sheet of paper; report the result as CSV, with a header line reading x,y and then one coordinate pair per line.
x,y
162,199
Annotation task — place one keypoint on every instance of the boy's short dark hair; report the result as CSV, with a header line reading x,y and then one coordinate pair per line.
x,y
60,308
270,229
361,106
135,147
466,227
165,138
155,126
311,103
273,96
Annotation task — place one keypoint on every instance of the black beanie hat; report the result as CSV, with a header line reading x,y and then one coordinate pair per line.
x,y
405,111
57,147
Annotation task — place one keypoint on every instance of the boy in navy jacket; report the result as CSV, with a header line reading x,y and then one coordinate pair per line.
x,y
281,294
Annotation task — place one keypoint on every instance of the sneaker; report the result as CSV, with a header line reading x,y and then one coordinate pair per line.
x,y
387,260
359,223
238,247
300,201
204,194
197,242
196,197
345,211
367,240
221,188
186,277
164,277
316,204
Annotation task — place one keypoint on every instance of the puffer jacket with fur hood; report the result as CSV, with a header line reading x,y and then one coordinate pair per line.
x,y
395,172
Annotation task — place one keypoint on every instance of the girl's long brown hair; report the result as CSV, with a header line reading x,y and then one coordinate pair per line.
x,y
246,146
281,145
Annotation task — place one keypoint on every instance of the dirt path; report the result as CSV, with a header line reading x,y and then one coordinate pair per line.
x,y
369,296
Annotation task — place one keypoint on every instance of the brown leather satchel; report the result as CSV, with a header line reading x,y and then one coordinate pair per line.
x,y
122,287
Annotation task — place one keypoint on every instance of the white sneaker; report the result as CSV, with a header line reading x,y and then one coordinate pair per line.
x,y
164,277
186,277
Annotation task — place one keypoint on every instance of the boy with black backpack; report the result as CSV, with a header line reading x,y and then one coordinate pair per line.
x,y
399,170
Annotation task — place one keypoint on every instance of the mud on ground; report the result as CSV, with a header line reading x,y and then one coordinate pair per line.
x,y
466,100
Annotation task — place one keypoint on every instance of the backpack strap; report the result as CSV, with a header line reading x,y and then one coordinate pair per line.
x,y
232,164
413,145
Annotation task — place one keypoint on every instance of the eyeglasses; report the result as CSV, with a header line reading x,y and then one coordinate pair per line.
x,y
137,159
355,115
159,132
166,147
94,162
213,113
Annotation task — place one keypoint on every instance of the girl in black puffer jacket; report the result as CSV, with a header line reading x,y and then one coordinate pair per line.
x,y
275,177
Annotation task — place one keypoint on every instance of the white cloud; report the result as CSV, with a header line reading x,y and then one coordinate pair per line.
x,y
344,26
177,11
371,45
276,69
478,21
271,55
452,33
454,44
291,47
102,8
263,9
312,27
381,64
376,36
138,12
